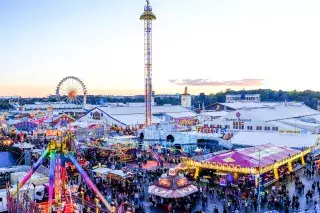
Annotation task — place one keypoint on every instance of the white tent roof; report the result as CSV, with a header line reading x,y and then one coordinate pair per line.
x,y
214,113
280,139
187,114
102,170
281,112
133,119
240,105
141,110
118,172
23,145
283,126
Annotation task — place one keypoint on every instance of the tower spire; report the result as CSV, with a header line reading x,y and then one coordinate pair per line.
x,y
148,16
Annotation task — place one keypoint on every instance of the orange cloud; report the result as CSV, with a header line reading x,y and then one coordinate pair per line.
x,y
207,82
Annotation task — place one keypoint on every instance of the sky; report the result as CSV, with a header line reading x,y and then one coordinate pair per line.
x,y
207,45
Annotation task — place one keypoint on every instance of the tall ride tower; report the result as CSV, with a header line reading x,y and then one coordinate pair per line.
x,y
148,16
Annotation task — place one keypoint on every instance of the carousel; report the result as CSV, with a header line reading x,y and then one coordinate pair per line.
x,y
172,185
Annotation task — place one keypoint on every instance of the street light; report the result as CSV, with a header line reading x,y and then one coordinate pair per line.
x,y
259,186
97,204
82,199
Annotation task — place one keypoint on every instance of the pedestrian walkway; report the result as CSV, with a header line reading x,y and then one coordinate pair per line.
x,y
213,202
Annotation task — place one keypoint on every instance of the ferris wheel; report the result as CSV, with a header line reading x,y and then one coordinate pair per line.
x,y
72,90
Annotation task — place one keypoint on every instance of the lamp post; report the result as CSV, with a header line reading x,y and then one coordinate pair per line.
x,y
17,196
82,200
97,205
259,187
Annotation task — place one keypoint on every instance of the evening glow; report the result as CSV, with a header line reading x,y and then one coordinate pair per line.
x,y
101,42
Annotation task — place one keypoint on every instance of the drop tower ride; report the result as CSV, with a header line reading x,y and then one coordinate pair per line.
x,y
148,16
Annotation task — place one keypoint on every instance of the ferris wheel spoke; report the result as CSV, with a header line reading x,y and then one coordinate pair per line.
x,y
75,86
73,83
68,83
65,99
79,90
80,100
77,101
63,89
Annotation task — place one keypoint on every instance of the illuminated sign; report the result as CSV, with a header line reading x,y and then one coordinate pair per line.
x,y
211,130
52,132
187,121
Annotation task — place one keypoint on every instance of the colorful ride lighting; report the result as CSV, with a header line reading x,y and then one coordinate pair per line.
x,y
72,94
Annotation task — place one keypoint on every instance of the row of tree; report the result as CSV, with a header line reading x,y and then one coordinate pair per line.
x,y
310,98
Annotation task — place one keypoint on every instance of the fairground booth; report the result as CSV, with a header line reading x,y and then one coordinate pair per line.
x,y
123,151
243,166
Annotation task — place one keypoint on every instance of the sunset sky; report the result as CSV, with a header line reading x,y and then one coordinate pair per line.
x,y
207,45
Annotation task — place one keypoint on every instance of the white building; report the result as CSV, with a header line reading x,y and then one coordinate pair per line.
x,y
247,98
282,117
135,116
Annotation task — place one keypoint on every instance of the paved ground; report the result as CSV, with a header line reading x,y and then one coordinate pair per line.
x,y
290,187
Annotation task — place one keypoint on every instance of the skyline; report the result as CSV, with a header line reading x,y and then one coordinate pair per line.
x,y
208,46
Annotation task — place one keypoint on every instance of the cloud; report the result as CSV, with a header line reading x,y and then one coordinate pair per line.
x,y
207,82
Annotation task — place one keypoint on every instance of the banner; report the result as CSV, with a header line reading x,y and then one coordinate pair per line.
x,y
186,121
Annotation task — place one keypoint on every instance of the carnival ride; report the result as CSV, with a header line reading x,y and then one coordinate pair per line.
x,y
172,185
59,154
148,16
70,89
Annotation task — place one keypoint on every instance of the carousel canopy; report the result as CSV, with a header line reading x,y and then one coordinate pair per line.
x,y
172,186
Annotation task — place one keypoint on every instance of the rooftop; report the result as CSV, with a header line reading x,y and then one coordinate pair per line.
x,y
276,138
141,110
257,156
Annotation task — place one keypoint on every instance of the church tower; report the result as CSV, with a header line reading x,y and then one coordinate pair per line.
x,y
186,98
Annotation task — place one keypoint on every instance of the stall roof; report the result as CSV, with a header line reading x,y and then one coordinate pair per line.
x,y
102,170
262,155
24,145
118,173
